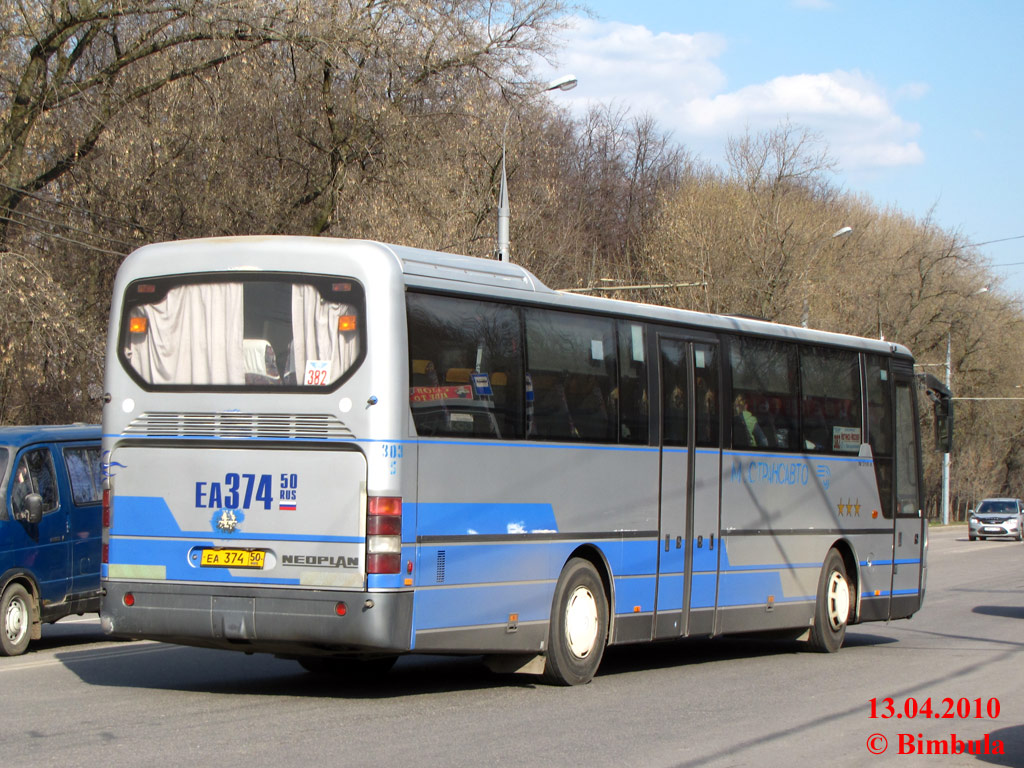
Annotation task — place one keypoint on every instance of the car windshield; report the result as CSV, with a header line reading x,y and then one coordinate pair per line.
x,y
997,507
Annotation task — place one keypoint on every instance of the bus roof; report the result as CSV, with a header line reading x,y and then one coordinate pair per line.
x,y
455,273
430,269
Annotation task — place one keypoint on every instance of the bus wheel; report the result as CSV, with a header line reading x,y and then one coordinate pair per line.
x,y
354,669
15,620
579,625
832,609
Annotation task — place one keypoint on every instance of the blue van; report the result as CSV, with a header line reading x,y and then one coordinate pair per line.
x,y
51,479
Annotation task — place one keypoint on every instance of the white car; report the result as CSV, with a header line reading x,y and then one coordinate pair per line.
x,y
996,517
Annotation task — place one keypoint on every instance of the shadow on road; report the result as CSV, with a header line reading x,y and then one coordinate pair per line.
x,y
1002,611
168,667
1012,739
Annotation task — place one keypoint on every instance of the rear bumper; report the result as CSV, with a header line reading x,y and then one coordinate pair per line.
x,y
255,619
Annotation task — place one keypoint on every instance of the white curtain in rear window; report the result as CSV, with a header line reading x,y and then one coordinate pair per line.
x,y
193,336
316,335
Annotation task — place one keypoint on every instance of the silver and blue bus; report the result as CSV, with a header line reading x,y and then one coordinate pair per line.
x,y
341,451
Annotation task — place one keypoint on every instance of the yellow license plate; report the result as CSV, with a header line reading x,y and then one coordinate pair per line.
x,y
232,558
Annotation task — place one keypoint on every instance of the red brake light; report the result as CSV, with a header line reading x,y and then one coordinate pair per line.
x,y
107,512
385,505
384,534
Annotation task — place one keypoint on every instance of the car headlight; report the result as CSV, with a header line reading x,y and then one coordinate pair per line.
x,y
1011,523
973,521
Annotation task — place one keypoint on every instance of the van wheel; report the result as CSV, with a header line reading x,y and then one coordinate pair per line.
x,y
578,628
832,609
15,620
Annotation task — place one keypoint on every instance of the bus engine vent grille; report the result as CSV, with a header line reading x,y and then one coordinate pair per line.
x,y
440,565
240,426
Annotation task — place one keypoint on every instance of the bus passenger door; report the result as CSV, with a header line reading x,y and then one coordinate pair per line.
x,y
690,481
909,533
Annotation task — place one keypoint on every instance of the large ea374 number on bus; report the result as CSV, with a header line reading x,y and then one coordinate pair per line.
x,y
236,491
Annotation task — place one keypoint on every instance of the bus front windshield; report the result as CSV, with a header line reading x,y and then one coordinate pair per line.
x,y
258,332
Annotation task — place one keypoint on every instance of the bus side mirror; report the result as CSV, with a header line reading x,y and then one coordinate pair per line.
x,y
942,405
943,408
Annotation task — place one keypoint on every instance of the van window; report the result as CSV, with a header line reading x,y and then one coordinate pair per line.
x,y
86,476
34,474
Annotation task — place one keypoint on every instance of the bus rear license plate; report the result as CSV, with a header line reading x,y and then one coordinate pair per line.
x,y
232,558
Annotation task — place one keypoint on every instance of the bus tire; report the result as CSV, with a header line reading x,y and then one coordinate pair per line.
x,y
578,629
15,620
832,608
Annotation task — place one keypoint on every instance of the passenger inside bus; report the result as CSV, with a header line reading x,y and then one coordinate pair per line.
x,y
747,431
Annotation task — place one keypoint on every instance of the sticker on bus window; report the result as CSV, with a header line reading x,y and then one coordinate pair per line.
x,y
482,384
846,439
433,394
637,332
317,374
597,349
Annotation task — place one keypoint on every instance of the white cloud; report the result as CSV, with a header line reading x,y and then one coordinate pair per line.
x,y
675,78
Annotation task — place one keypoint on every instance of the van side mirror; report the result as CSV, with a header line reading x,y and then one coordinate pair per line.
x,y
32,509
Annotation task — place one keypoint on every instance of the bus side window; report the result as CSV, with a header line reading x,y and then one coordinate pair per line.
x,y
465,367
764,394
830,383
630,397
880,426
572,362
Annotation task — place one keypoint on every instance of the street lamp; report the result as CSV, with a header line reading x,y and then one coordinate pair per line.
x,y
563,83
946,455
805,314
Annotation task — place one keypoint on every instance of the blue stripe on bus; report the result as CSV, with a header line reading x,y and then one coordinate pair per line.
x,y
173,556
492,562
457,519
483,605
150,516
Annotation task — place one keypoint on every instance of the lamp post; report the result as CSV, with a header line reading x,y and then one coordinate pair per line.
x,y
946,455
502,253
805,314
949,386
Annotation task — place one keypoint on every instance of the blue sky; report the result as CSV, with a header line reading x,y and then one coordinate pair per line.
x,y
920,102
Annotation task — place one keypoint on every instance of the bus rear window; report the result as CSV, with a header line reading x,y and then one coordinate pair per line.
x,y
252,333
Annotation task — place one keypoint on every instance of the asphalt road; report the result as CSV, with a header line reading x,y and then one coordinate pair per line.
x,y
78,700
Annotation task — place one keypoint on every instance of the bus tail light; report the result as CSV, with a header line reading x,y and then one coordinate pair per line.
x,y
384,535
107,511
107,517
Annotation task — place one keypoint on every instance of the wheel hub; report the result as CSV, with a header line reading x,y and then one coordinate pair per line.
x,y
581,622
16,621
838,600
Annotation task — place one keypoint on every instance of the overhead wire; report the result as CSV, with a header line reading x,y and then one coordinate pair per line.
x,y
62,238
70,227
